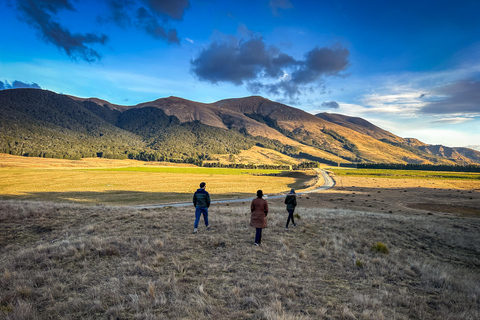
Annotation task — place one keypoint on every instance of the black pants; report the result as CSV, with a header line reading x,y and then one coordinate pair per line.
x,y
290,216
258,236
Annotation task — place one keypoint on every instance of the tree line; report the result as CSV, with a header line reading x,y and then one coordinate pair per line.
x,y
418,166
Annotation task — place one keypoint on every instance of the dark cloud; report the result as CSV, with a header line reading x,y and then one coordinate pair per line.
x,y
173,9
39,14
152,16
17,85
151,25
460,97
321,62
120,12
239,62
279,4
331,104
266,68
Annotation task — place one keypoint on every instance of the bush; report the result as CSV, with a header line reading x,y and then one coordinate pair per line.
x,y
380,247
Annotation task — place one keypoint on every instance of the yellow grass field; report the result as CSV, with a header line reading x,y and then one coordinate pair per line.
x,y
73,181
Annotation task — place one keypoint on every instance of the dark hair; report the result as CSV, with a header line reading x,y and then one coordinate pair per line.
x,y
259,193
202,184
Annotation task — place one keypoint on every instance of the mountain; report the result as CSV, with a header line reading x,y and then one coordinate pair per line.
x,y
457,155
42,123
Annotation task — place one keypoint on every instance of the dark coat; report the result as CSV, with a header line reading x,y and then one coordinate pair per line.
x,y
201,198
259,209
291,201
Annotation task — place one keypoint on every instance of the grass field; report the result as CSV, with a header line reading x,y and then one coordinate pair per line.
x,y
111,182
407,174
65,261
373,247
197,170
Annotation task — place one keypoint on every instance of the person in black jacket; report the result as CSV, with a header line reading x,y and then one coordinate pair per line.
x,y
201,201
291,202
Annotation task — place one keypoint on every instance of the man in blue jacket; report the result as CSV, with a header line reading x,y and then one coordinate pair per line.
x,y
201,201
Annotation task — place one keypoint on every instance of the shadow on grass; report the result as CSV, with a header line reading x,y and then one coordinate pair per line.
x,y
118,197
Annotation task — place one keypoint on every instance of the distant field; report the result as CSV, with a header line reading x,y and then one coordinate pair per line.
x,y
196,170
24,178
406,174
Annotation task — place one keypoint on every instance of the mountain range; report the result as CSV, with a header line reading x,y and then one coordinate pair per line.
x,y
35,122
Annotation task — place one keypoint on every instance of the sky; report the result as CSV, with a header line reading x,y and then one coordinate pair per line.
x,y
410,67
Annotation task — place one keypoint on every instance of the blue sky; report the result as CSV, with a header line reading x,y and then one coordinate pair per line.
x,y
411,67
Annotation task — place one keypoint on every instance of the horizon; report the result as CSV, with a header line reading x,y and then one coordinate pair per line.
x,y
417,79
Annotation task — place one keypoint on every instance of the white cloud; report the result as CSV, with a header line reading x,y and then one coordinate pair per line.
x,y
453,120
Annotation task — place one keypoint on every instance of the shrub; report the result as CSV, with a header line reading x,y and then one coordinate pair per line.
x,y
359,263
380,247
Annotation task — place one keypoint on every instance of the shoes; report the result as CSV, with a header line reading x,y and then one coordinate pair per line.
x,y
286,228
195,230
208,228
294,224
256,244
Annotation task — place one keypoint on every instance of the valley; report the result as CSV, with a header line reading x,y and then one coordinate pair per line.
x,y
375,246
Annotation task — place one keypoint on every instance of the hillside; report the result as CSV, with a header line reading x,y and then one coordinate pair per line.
x,y
36,122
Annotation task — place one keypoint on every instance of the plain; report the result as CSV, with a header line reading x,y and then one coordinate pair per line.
x,y
366,249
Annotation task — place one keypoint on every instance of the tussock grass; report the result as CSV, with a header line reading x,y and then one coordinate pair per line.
x,y
66,261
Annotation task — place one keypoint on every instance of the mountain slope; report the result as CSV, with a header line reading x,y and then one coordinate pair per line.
x,y
360,125
319,133
434,153
42,123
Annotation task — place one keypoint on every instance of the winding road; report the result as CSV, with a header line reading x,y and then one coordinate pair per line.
x,y
328,183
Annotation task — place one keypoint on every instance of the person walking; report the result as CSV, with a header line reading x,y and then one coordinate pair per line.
x,y
291,202
258,218
201,201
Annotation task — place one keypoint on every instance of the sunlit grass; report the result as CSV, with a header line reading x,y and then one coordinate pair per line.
x,y
407,174
137,187
195,170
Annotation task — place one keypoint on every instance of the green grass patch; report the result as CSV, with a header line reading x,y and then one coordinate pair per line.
x,y
194,170
407,174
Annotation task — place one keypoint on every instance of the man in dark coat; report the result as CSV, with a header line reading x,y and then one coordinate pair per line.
x,y
258,219
201,201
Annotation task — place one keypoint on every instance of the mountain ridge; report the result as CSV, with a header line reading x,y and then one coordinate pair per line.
x,y
185,129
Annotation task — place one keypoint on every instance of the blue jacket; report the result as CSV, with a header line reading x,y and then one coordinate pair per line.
x,y
201,198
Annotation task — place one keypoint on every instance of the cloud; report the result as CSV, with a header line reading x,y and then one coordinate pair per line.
x,y
402,101
17,85
150,24
459,97
174,9
151,16
40,15
321,62
453,120
119,10
279,4
265,68
331,104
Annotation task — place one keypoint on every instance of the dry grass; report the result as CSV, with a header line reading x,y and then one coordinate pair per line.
x,y
257,155
74,184
65,261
